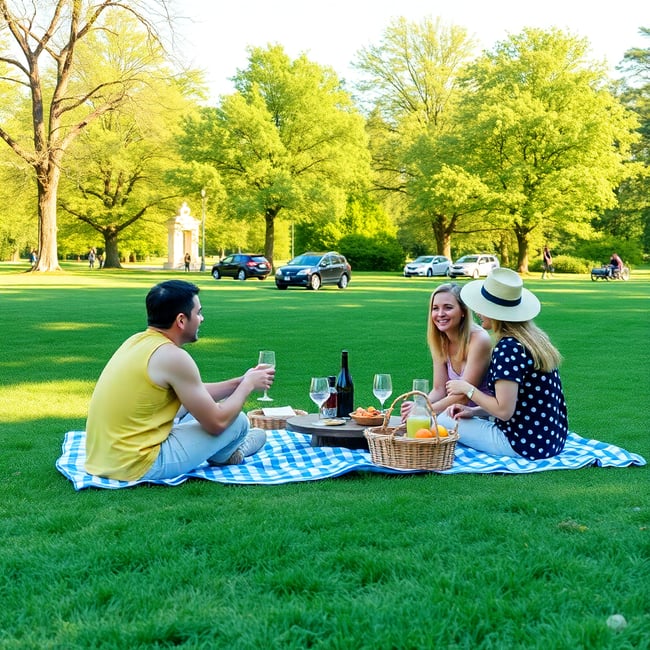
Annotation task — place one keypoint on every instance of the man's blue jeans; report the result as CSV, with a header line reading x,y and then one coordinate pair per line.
x,y
189,445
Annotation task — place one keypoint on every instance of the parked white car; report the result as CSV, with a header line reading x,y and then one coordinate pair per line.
x,y
427,265
473,266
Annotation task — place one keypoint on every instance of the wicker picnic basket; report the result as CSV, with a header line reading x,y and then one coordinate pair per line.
x,y
389,447
261,421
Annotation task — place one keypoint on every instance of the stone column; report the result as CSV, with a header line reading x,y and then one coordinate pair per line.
x,y
182,237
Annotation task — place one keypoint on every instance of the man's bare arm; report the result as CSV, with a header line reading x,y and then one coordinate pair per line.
x,y
171,366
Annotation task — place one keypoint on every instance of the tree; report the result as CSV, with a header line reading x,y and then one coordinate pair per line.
x,y
447,198
17,228
411,78
116,172
636,61
631,219
363,216
544,133
289,140
412,81
46,37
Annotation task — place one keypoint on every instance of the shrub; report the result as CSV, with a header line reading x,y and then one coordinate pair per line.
x,y
565,264
629,251
381,252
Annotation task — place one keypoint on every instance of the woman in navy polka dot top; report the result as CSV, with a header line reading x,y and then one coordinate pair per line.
x,y
526,413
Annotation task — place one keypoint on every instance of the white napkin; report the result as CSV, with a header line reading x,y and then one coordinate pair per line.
x,y
279,411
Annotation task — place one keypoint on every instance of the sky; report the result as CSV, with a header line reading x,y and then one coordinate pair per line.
x,y
331,32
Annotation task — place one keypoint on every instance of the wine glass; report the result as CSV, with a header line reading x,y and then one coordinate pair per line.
x,y
267,360
319,391
382,388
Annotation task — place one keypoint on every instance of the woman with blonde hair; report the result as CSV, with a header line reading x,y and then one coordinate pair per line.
x,y
525,416
459,347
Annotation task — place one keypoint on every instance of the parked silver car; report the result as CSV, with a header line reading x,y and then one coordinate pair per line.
x,y
473,266
427,265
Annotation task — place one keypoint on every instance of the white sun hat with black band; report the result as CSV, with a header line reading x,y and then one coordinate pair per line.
x,y
501,296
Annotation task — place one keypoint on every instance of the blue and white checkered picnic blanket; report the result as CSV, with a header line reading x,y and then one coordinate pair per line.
x,y
288,457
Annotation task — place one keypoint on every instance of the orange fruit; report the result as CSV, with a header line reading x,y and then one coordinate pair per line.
x,y
424,433
442,431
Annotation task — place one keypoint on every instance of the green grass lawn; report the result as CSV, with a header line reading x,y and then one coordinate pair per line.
x,y
364,561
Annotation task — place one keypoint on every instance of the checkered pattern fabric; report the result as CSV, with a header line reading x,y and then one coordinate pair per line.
x,y
288,457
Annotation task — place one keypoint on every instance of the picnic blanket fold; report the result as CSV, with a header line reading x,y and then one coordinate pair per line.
x,y
288,457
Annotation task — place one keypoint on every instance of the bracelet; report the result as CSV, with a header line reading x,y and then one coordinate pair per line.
x,y
470,392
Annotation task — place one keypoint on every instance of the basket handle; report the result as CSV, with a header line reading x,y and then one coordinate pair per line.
x,y
405,396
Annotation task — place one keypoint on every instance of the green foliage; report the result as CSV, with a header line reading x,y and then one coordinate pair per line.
x,y
18,223
631,218
77,65
363,215
315,236
381,252
412,79
288,143
565,264
539,130
533,143
601,250
117,172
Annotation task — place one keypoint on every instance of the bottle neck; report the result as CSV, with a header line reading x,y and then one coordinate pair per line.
x,y
419,403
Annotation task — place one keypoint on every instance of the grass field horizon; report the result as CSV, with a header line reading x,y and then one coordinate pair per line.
x,y
364,561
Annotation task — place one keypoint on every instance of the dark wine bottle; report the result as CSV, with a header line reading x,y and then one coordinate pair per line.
x,y
344,389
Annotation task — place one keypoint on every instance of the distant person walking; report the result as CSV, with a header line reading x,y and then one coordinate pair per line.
x,y
547,263
187,261
33,257
91,258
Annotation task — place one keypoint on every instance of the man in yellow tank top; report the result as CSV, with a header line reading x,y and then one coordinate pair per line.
x,y
151,415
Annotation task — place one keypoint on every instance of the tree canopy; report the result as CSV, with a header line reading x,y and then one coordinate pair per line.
x,y
289,140
630,219
40,56
117,170
544,133
412,79
528,142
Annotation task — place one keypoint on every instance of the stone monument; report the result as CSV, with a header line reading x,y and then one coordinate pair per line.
x,y
182,238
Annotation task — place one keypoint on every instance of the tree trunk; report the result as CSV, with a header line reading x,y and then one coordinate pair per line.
x,y
442,236
522,252
269,235
111,254
445,245
504,253
47,181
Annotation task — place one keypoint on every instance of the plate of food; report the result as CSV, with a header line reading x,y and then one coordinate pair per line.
x,y
369,417
331,422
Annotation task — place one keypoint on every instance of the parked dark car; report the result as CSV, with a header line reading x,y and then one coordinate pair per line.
x,y
311,270
242,266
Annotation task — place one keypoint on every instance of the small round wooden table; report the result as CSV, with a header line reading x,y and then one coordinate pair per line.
x,y
348,435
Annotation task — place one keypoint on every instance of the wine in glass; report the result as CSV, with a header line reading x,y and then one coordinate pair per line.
x,y
382,388
267,360
319,391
